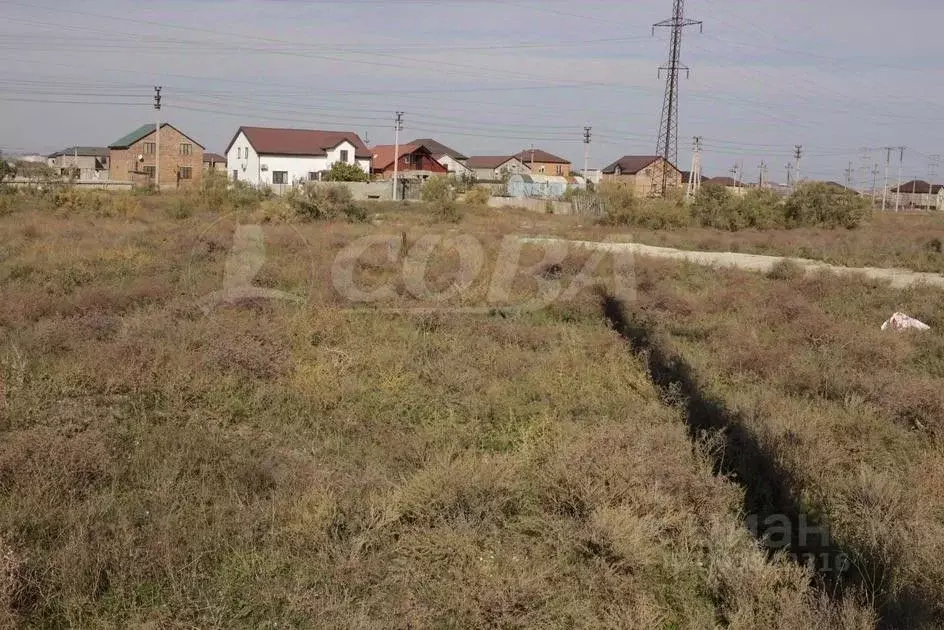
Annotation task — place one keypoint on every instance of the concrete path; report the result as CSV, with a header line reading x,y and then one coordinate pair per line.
x,y
898,278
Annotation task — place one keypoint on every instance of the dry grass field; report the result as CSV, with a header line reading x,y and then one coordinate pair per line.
x,y
268,463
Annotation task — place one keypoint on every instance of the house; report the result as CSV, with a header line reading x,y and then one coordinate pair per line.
x,y
214,162
454,161
133,158
82,163
919,194
265,156
415,161
543,163
491,168
643,174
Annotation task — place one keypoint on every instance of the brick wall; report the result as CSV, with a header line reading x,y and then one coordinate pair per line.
x,y
125,166
549,168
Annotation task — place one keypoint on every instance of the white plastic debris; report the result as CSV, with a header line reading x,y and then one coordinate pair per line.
x,y
900,321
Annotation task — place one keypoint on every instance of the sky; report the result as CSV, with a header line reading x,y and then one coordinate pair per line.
x,y
842,78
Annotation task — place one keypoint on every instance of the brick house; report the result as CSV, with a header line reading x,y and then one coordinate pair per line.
x,y
214,162
543,163
133,158
416,162
491,168
642,174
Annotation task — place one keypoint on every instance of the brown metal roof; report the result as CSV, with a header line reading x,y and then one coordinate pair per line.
x,y
437,149
488,161
213,158
918,187
722,181
273,141
631,164
540,156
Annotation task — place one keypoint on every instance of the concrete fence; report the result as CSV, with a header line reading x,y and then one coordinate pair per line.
x,y
82,185
534,205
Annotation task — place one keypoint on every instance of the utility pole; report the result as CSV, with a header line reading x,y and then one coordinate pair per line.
x,y
797,154
531,166
763,175
694,177
667,145
736,173
901,158
157,136
888,161
875,171
398,127
789,175
586,153
934,161
849,176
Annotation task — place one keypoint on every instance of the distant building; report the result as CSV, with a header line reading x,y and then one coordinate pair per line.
x,y
643,174
454,161
133,158
265,156
729,183
82,163
491,168
918,194
543,163
214,162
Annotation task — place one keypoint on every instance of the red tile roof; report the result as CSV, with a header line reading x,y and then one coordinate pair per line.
x,y
383,154
540,156
272,141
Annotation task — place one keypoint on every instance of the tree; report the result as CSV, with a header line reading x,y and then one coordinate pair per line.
x,y
341,172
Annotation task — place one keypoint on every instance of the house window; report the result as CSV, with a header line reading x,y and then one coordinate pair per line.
x,y
235,174
239,152
186,148
279,177
541,170
344,156
186,172
312,176
150,171
150,148
560,169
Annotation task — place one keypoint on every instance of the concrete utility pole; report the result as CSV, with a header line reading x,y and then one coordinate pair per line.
x,y
888,161
901,158
694,177
763,175
797,154
736,173
875,171
789,175
398,127
849,176
934,161
667,146
531,166
586,153
157,137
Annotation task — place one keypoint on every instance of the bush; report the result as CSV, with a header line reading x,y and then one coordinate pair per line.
x,y
622,207
320,201
440,195
478,196
715,207
827,205
341,172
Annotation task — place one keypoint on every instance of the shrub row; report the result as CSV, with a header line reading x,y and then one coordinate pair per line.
x,y
812,205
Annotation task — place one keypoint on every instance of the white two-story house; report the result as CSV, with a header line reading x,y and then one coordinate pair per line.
x,y
284,157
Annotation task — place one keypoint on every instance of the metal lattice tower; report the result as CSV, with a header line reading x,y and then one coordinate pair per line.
x,y
668,128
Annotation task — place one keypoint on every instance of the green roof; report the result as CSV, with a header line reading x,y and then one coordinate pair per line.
x,y
144,131
134,136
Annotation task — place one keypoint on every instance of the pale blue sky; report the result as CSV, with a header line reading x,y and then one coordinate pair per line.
x,y
488,76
